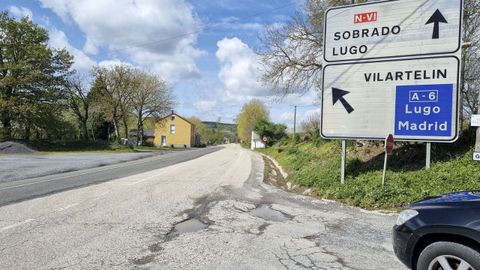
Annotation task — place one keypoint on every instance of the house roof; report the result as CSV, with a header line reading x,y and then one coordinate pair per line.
x,y
173,113
149,133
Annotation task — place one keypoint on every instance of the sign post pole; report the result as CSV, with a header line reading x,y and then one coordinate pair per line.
x,y
344,159
389,144
475,122
428,156
477,139
294,124
384,168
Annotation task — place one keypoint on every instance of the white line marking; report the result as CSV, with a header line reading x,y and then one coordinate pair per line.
x,y
16,224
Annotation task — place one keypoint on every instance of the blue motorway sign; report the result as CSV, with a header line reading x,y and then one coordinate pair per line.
x,y
424,110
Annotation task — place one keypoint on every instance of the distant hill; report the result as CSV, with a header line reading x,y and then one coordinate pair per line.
x,y
229,130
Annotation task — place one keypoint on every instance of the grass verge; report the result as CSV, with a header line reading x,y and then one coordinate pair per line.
x,y
317,166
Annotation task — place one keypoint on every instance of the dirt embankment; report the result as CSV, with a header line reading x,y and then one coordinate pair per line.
x,y
14,148
275,177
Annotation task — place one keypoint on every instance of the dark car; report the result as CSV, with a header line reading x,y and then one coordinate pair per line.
x,y
440,233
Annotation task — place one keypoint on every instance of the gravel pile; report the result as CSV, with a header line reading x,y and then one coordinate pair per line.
x,y
14,148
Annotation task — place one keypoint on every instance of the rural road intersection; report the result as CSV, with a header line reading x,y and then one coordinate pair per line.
x,y
212,212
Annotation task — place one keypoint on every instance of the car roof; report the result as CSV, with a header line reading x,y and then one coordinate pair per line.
x,y
456,197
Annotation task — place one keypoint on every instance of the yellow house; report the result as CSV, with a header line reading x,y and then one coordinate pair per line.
x,y
174,130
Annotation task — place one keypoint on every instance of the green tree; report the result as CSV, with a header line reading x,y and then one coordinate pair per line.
x,y
200,128
272,131
251,113
209,135
33,78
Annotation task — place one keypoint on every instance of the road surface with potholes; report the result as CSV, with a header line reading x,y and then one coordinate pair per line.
x,y
213,212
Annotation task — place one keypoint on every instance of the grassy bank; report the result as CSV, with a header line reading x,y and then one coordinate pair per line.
x,y
317,165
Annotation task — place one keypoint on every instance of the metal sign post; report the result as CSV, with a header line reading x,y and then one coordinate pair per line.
x,y
428,155
344,161
476,122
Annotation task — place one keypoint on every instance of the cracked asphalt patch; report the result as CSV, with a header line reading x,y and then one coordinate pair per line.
x,y
213,212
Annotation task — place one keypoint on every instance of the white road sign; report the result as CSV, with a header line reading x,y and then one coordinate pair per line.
x,y
475,121
413,99
476,156
395,28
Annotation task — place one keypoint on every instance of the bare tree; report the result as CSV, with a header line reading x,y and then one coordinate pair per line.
x,y
150,97
311,123
116,85
79,103
291,54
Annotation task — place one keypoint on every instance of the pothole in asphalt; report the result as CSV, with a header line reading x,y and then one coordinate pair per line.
x,y
186,226
265,211
144,260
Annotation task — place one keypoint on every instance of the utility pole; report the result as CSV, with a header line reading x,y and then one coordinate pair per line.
x,y
294,122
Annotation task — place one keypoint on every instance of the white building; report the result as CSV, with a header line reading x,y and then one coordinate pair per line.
x,y
256,141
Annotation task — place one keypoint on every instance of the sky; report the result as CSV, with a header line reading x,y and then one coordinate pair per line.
x,y
204,49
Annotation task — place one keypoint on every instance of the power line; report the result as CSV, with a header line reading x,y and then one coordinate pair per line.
x,y
305,106
207,27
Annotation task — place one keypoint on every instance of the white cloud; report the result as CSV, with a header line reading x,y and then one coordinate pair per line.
x,y
59,40
20,12
158,35
286,117
313,112
112,62
204,106
240,71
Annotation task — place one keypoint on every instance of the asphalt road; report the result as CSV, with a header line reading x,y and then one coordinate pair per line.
x,y
213,212
15,167
18,190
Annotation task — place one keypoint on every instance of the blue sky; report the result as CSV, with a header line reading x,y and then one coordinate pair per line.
x,y
204,49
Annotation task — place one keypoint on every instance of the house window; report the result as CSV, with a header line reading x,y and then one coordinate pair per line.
x,y
172,129
173,118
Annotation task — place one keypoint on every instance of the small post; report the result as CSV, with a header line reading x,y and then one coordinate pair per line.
x,y
428,155
294,122
384,169
344,159
477,138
